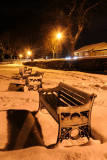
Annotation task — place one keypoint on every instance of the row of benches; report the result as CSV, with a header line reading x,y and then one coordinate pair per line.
x,y
70,107
33,81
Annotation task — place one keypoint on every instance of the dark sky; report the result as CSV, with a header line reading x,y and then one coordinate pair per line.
x,y
96,32
22,17
14,14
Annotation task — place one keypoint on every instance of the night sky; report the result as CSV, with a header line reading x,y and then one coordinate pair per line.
x,y
25,19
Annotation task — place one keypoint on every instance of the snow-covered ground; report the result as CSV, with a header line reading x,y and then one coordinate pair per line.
x,y
96,149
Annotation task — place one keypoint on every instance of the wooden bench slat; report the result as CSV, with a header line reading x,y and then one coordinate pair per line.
x,y
77,92
71,98
77,96
70,91
67,101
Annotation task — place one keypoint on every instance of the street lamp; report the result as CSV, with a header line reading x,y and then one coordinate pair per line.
x,y
59,36
58,40
20,56
29,53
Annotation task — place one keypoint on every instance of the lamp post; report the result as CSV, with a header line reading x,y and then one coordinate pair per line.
x,y
55,42
29,53
20,56
59,37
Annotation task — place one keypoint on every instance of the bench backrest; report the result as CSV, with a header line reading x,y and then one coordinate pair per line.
x,y
72,96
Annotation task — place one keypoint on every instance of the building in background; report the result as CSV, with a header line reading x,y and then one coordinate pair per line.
x,y
99,49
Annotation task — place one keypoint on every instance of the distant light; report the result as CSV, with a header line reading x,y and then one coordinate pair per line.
x,y
20,55
75,57
67,58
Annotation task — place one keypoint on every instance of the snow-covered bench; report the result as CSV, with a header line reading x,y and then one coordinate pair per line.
x,y
25,72
71,108
34,81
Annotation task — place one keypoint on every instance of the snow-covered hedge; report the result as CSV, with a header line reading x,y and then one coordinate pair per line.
x,y
92,64
80,64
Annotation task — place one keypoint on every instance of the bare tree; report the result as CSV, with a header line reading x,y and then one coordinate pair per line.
x,y
71,15
75,15
51,43
10,44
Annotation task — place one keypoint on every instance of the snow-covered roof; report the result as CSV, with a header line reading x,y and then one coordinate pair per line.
x,y
97,46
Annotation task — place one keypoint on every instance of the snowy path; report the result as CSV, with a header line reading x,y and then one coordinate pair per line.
x,y
91,83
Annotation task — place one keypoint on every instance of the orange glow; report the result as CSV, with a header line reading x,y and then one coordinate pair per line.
x,y
59,35
29,53
20,55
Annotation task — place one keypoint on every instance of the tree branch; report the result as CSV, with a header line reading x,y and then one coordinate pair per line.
x,y
91,8
82,6
71,10
82,20
78,34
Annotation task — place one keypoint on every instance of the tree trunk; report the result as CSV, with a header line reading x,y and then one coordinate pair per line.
x,y
72,50
2,58
53,54
11,56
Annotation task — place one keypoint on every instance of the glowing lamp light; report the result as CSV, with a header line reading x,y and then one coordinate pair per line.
x,y
20,55
59,35
29,53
